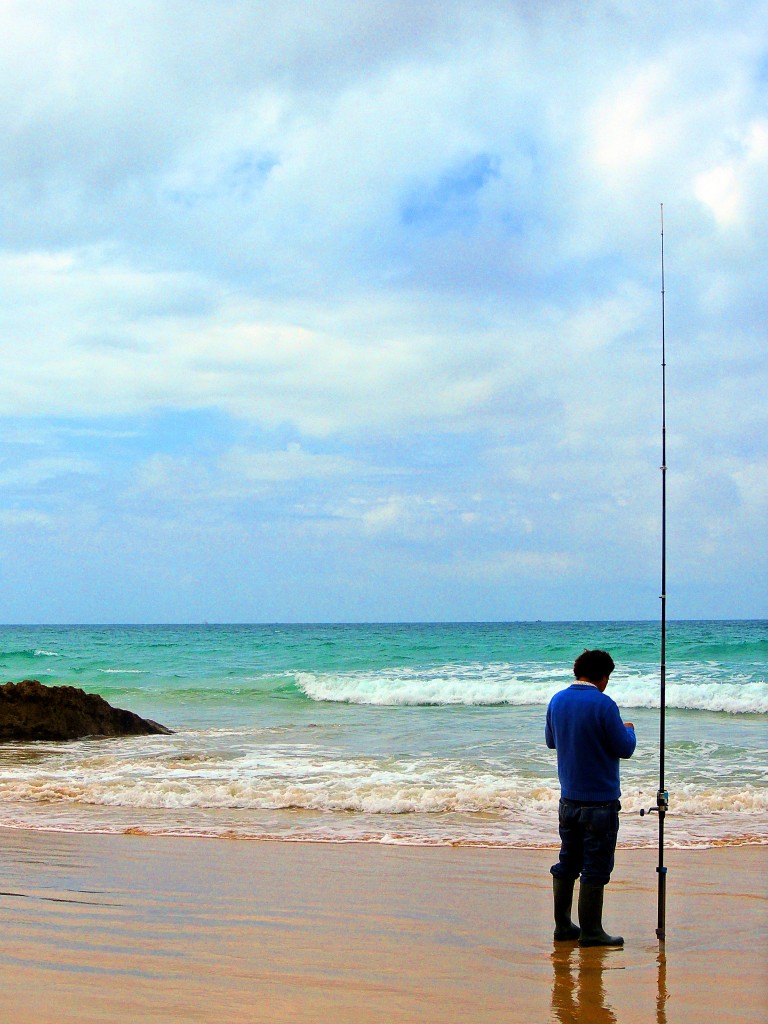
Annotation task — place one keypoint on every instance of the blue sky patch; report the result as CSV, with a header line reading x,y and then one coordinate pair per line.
x,y
450,201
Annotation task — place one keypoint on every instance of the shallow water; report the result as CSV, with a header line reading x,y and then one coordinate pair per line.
x,y
424,734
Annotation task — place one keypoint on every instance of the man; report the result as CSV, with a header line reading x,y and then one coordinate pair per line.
x,y
585,727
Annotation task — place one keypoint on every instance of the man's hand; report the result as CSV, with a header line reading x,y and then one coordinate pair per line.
x,y
630,725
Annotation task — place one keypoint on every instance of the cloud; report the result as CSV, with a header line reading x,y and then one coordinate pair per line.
x,y
384,279
239,473
518,565
105,341
23,518
729,189
37,471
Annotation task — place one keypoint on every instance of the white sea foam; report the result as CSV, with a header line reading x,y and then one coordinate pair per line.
x,y
499,683
222,784
253,756
274,782
314,780
634,834
733,697
452,684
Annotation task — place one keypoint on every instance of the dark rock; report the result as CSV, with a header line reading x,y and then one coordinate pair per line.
x,y
31,711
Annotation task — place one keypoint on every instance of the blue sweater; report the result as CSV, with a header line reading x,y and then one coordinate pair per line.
x,y
585,727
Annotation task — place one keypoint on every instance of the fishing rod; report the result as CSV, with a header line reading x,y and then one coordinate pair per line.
x,y
662,796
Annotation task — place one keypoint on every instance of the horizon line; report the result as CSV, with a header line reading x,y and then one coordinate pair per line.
x,y
372,622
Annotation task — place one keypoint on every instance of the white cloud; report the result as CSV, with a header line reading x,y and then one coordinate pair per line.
x,y
105,340
408,517
292,463
21,518
238,473
626,136
517,565
728,190
411,251
36,471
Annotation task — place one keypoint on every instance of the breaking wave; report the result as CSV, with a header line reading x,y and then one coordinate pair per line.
x,y
29,653
318,781
499,684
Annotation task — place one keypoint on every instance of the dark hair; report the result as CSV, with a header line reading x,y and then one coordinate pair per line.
x,y
593,665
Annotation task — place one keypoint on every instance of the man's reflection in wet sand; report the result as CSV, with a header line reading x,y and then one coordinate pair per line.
x,y
578,990
581,998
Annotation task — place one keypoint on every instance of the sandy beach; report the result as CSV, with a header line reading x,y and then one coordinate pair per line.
x,y
127,928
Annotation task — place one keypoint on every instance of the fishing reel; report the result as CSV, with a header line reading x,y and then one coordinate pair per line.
x,y
662,804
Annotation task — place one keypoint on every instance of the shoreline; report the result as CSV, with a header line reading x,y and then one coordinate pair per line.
x,y
692,839
751,840
116,928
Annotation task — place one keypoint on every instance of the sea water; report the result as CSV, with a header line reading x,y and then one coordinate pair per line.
x,y
394,733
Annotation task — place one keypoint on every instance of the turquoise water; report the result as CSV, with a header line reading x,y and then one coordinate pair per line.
x,y
417,733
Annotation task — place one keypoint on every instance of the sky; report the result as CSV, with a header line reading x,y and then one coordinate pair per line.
x,y
351,310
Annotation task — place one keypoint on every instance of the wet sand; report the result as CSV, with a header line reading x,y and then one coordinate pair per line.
x,y
128,928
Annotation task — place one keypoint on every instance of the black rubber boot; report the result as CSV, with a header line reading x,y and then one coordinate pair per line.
x,y
591,918
565,929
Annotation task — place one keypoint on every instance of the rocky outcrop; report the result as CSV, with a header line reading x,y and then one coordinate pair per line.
x,y
31,711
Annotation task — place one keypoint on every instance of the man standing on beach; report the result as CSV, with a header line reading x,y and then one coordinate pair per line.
x,y
585,727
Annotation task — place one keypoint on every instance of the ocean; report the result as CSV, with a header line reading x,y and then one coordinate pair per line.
x,y
422,734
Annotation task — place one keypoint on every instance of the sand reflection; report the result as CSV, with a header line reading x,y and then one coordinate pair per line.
x,y
578,989
578,985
